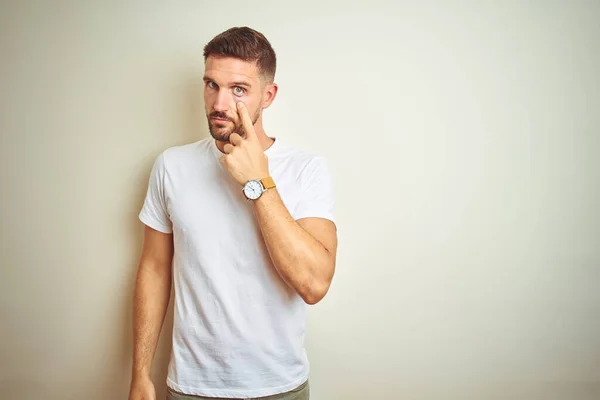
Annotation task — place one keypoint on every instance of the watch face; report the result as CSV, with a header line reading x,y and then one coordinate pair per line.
x,y
253,190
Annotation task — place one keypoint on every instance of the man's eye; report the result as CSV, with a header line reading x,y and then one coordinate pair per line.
x,y
238,91
211,85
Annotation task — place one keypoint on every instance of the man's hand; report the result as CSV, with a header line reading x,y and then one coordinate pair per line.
x,y
142,389
244,157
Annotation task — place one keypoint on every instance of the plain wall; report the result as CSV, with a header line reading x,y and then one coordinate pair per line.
x,y
464,142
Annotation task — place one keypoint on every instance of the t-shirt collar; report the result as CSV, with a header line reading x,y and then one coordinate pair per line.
x,y
273,149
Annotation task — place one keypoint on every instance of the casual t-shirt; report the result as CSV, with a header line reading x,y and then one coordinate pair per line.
x,y
238,327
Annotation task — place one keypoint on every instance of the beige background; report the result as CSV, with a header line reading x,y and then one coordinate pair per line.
x,y
463,138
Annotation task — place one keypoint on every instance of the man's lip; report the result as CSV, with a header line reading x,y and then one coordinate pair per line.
x,y
219,119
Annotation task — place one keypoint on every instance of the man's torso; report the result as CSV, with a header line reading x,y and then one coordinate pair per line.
x,y
238,328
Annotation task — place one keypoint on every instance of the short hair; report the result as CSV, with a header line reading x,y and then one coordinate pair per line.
x,y
245,44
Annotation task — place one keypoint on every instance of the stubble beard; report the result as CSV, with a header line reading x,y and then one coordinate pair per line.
x,y
221,131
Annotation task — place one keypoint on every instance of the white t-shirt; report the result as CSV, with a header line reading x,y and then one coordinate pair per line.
x,y
238,327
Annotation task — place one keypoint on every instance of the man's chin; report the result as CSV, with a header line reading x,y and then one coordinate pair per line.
x,y
221,135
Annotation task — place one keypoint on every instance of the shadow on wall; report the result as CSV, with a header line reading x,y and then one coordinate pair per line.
x,y
193,128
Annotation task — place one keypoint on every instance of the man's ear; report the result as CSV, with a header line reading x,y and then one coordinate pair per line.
x,y
269,94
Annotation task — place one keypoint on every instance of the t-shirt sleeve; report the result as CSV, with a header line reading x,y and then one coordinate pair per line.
x,y
154,211
317,199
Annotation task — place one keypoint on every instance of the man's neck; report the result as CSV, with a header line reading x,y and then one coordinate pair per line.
x,y
263,138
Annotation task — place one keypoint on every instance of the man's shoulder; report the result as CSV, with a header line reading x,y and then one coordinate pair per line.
x,y
306,168
188,149
185,153
298,155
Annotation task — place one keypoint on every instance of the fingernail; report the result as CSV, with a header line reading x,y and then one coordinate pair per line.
x,y
240,104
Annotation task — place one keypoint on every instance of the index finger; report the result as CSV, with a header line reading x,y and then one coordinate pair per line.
x,y
246,121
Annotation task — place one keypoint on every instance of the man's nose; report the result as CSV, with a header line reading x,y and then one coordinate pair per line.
x,y
223,101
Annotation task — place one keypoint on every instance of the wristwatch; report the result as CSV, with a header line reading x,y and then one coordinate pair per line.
x,y
254,188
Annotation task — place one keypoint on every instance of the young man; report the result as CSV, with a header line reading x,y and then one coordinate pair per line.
x,y
246,222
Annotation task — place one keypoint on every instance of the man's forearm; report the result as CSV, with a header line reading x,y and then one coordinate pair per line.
x,y
151,299
298,257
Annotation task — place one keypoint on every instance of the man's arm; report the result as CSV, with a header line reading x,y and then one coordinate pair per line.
x,y
151,299
303,251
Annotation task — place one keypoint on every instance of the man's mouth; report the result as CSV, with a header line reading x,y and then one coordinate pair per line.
x,y
221,120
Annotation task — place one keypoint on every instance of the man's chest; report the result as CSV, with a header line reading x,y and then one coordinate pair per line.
x,y
210,205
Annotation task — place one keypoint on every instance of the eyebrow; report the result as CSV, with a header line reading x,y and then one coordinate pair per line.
x,y
236,83
242,83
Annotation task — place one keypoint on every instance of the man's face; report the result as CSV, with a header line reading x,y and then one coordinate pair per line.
x,y
226,82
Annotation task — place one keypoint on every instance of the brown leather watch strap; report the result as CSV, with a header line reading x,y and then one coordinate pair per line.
x,y
268,182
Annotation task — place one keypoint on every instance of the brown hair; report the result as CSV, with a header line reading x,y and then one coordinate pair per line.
x,y
246,44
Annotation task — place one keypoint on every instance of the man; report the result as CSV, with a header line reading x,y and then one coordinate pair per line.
x,y
246,222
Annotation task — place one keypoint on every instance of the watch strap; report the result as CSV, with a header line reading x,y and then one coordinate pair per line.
x,y
268,182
